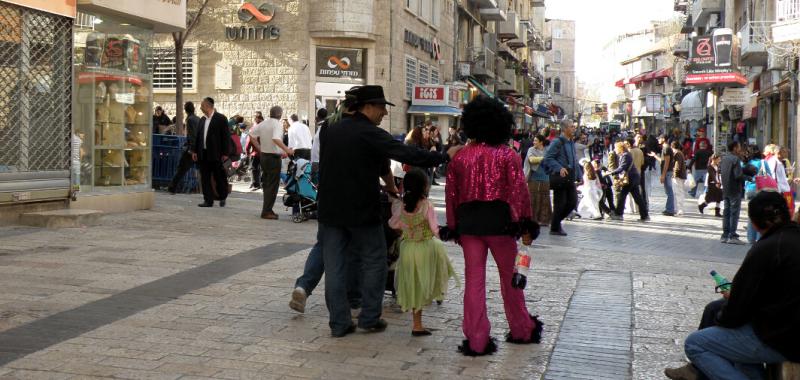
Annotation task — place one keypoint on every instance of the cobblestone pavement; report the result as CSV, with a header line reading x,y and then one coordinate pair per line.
x,y
190,293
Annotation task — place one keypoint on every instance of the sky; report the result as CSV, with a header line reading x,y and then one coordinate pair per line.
x,y
598,21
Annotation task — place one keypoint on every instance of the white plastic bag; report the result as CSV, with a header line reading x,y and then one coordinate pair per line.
x,y
689,184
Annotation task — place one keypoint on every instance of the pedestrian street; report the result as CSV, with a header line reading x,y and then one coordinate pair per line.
x,y
179,292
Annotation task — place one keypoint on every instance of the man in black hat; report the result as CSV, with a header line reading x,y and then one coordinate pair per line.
x,y
353,158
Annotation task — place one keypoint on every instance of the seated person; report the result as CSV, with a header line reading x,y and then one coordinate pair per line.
x,y
760,321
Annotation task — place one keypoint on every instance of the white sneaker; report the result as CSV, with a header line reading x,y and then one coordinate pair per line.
x,y
736,241
679,213
298,302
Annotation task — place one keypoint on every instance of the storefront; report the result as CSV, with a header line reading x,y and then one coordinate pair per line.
x,y
337,70
35,91
437,104
112,102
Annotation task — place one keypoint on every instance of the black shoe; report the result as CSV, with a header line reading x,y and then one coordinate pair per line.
x,y
491,347
615,217
222,203
701,207
645,219
424,332
667,213
558,233
377,327
717,213
204,204
351,329
536,334
171,190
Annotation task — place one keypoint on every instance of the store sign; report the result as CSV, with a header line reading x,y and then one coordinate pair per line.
x,y
429,46
340,63
735,96
164,15
435,95
59,7
261,15
714,60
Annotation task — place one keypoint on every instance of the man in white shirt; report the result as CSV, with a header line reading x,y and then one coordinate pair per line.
x,y
300,138
267,137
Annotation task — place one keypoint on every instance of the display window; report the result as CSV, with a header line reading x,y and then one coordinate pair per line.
x,y
113,102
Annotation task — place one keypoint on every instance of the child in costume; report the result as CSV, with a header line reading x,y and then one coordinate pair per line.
x,y
592,191
423,268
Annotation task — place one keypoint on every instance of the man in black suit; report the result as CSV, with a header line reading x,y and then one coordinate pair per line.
x,y
212,145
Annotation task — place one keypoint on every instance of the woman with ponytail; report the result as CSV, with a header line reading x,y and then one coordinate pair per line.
x,y
423,268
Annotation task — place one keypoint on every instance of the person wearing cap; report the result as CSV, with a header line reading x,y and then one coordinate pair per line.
x,y
354,156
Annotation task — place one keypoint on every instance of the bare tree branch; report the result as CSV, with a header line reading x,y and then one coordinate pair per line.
x,y
196,19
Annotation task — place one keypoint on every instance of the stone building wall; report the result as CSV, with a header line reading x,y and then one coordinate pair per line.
x,y
282,71
565,70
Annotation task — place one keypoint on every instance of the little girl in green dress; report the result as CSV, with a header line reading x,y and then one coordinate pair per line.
x,y
423,269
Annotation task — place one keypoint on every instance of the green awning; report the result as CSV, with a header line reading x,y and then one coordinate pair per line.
x,y
481,88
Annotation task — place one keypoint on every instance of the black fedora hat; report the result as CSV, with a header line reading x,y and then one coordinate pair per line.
x,y
370,94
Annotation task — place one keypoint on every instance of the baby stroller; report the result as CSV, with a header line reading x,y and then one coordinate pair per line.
x,y
300,189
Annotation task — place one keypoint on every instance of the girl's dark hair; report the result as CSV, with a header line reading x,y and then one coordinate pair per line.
x,y
488,121
415,186
755,152
677,146
768,210
542,139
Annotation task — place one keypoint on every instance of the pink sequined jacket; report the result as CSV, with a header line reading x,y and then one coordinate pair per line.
x,y
481,172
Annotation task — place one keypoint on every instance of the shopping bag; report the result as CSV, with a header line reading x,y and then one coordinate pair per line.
x,y
690,182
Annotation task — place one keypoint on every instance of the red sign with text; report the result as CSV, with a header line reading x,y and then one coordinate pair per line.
x,y
429,95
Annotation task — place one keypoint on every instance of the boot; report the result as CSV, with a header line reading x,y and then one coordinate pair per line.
x,y
701,207
717,213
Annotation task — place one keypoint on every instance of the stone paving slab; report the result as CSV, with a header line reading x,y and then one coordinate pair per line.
x,y
240,326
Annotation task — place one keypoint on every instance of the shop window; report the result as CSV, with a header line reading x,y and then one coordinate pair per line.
x,y
423,74
411,75
162,65
113,107
557,56
557,85
434,76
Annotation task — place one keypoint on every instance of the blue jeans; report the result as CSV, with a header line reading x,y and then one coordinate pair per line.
x,y
341,247
730,216
699,176
730,354
315,268
670,206
752,234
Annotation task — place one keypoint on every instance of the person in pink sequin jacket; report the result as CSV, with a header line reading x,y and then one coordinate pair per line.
x,y
488,207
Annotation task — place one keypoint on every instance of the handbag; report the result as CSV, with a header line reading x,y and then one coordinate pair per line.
x,y
764,181
557,182
227,164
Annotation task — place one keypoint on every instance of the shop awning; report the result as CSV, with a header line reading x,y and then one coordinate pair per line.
x,y
692,106
639,78
620,83
663,73
480,87
435,110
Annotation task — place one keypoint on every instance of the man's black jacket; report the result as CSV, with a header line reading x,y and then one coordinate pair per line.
x,y
352,159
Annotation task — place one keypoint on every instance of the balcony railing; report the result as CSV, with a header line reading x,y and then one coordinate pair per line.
x,y
484,62
681,48
788,10
754,36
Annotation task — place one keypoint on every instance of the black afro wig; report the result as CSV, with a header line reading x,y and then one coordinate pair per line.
x,y
487,121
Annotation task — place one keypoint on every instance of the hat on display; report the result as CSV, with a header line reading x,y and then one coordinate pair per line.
x,y
368,95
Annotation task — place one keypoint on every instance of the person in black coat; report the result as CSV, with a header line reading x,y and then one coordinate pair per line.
x,y
211,146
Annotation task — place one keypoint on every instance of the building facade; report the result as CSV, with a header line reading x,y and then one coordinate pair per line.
x,y
560,66
316,50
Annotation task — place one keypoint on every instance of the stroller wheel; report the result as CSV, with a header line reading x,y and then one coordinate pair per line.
x,y
298,218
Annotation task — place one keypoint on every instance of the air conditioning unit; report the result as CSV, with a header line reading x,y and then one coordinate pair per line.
x,y
713,20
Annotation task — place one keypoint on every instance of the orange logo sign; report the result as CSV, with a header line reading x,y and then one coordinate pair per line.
x,y
334,62
264,13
